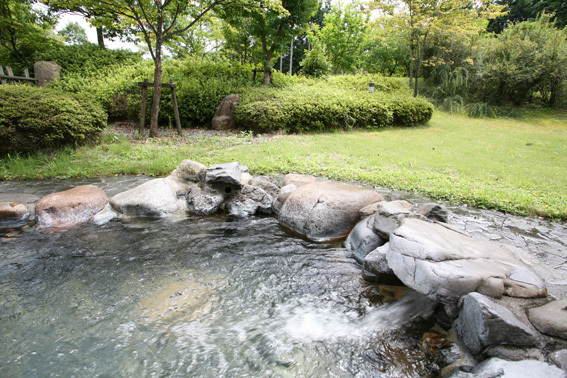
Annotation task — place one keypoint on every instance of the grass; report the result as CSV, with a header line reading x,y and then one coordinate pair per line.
x,y
515,165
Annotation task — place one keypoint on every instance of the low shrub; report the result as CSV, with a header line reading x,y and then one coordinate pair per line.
x,y
303,107
33,119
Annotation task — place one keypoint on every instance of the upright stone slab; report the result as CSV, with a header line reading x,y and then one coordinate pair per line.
x,y
70,208
445,265
323,211
482,322
46,72
224,116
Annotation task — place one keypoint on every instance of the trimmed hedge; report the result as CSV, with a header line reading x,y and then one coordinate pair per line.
x,y
33,119
302,108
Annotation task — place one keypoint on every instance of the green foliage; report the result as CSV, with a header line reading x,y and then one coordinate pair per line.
x,y
526,63
73,34
33,119
316,62
343,33
24,30
85,60
321,107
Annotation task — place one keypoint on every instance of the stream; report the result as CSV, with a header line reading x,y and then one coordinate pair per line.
x,y
212,296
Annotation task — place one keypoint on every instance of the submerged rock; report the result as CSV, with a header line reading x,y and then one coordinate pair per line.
x,y
550,318
498,368
70,208
446,265
324,211
482,322
14,214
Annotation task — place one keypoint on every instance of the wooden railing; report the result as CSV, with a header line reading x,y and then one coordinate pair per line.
x,y
10,78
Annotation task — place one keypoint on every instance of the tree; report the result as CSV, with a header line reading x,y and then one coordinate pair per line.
x,y
157,21
528,10
343,34
73,34
384,49
105,23
316,62
23,31
427,20
273,29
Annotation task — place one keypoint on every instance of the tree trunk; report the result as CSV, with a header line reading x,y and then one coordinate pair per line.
x,y
267,72
291,57
157,96
411,49
100,37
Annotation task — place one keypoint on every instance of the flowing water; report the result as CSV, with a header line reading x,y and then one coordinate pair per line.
x,y
198,296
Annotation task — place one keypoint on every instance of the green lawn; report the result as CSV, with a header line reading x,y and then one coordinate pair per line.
x,y
516,165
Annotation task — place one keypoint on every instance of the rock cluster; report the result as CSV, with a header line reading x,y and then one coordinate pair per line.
x,y
489,294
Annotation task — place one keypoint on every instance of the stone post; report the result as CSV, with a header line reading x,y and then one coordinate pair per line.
x,y
45,72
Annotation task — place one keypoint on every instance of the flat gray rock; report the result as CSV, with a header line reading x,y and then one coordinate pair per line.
x,y
434,211
445,265
154,197
376,269
482,322
227,174
550,318
323,211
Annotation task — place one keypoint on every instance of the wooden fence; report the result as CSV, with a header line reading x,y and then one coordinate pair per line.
x,y
10,78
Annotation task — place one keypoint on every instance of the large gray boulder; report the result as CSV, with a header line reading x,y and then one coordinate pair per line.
x,y
559,358
224,116
249,201
67,209
445,264
482,322
362,239
498,368
323,211
267,183
155,197
550,318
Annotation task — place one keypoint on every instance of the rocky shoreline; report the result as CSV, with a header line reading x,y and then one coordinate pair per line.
x,y
504,309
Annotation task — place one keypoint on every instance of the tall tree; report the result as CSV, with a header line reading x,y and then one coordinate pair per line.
x,y
73,34
273,30
157,21
24,30
343,34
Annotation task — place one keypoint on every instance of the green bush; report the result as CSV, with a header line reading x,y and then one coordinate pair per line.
x,y
303,107
33,118
86,59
